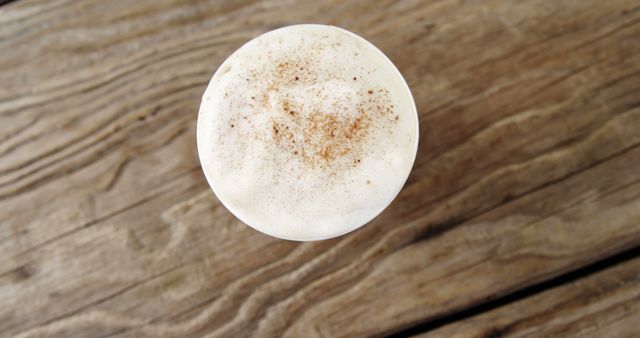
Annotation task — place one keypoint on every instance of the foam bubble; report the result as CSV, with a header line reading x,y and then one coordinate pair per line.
x,y
307,132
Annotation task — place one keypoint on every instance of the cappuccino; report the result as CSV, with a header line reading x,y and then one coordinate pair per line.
x,y
307,132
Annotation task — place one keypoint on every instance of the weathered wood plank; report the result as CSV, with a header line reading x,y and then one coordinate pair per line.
x,y
606,304
527,167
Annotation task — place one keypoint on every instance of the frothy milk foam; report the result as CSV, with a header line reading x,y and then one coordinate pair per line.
x,y
307,132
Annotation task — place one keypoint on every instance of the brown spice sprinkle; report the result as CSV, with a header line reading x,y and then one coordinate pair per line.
x,y
325,138
294,70
329,138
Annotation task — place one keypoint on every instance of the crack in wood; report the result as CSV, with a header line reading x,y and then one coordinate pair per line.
x,y
529,291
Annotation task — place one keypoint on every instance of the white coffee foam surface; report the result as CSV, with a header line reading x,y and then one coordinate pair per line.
x,y
266,132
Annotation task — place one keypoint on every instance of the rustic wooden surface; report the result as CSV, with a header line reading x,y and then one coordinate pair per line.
x,y
606,304
528,168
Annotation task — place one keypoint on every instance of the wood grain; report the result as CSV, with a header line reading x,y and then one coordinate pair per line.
x,y
606,304
527,167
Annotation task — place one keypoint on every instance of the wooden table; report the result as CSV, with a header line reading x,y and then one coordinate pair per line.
x,y
521,216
